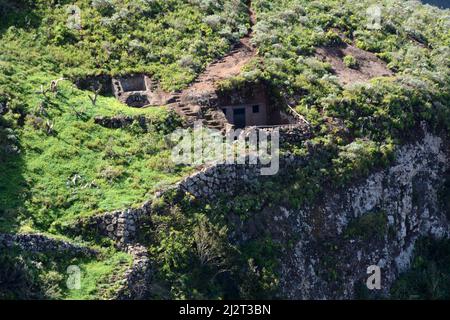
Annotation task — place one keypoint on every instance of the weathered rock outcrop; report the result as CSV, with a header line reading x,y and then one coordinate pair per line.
x,y
326,261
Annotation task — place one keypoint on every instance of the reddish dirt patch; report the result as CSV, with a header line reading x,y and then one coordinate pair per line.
x,y
227,67
369,65
186,102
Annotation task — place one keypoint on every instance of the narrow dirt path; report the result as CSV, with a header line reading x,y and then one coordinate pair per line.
x,y
186,103
228,66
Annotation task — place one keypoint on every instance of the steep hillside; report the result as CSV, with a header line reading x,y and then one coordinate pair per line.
x,y
79,169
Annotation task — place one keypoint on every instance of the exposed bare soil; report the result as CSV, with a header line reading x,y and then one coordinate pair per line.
x,y
228,66
369,65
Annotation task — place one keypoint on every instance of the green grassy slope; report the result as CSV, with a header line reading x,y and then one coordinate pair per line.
x,y
169,39
81,167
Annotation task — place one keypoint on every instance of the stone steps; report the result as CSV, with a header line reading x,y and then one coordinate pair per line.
x,y
213,123
174,99
216,127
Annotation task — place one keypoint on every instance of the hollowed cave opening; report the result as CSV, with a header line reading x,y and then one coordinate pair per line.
x,y
252,106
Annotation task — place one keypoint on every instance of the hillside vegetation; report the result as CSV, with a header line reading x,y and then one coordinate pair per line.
x,y
57,165
357,125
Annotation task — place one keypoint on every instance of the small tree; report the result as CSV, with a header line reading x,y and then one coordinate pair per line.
x,y
96,93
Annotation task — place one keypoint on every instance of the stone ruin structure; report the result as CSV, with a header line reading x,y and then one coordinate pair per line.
x,y
138,90
248,106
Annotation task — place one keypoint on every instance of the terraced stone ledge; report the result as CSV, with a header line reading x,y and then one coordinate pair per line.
x,y
38,243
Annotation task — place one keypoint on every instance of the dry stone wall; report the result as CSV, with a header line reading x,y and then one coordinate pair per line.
x,y
37,243
135,284
228,179
206,185
120,225
118,122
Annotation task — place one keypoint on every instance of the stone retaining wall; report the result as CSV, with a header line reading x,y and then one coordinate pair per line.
x,y
137,278
228,179
37,243
291,134
118,122
206,185
120,225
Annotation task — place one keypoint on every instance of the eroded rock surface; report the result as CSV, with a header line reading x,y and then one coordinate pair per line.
x,y
326,261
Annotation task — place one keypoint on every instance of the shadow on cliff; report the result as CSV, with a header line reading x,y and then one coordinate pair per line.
x,y
13,186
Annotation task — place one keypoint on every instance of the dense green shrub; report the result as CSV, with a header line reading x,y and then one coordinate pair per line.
x,y
17,279
372,225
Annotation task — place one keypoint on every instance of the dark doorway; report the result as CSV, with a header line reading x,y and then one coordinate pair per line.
x,y
239,117
137,100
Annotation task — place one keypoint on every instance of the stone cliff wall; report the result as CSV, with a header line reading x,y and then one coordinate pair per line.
x,y
136,280
328,262
323,260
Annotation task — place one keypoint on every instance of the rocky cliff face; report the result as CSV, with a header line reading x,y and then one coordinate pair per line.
x,y
328,261
373,222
